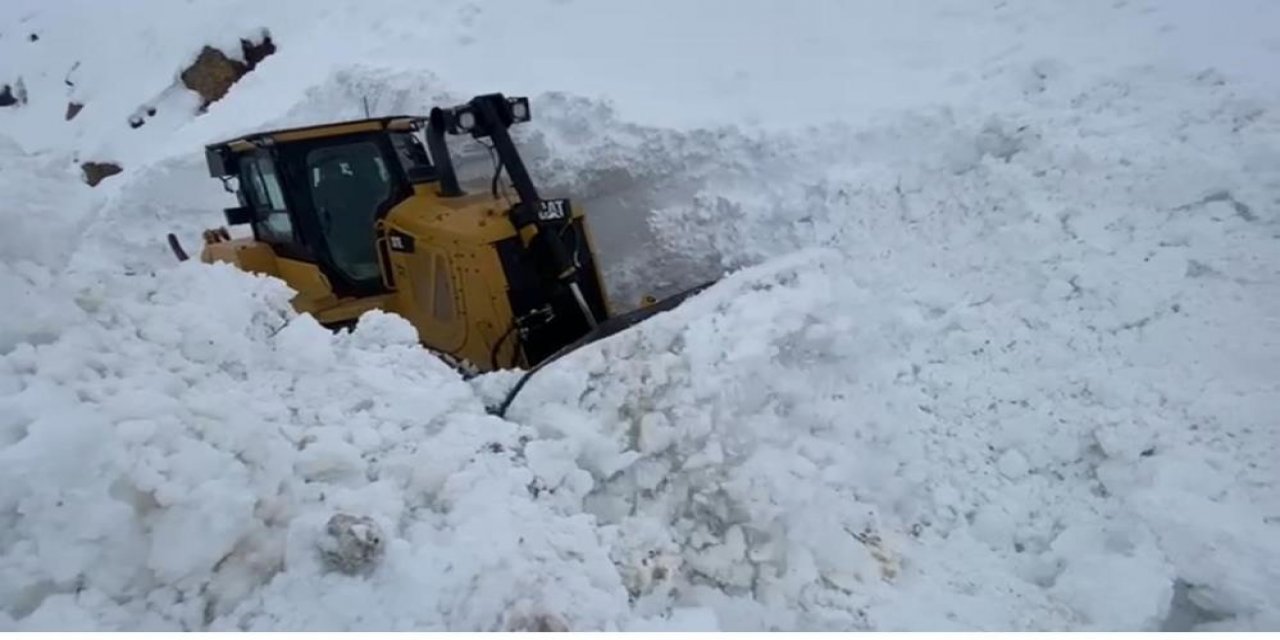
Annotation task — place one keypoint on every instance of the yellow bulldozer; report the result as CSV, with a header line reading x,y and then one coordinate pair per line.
x,y
370,214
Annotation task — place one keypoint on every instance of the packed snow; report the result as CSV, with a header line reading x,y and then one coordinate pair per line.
x,y
997,343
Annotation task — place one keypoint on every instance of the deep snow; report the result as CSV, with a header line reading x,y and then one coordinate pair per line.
x,y
999,348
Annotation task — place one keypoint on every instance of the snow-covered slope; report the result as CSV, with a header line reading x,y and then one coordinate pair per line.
x,y
1000,348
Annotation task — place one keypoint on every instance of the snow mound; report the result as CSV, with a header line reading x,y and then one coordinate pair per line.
x,y
977,378
795,449
187,443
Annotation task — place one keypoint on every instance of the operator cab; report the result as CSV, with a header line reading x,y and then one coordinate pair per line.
x,y
314,194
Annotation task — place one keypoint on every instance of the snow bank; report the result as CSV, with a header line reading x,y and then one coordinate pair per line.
x,y
804,447
988,376
188,441
792,471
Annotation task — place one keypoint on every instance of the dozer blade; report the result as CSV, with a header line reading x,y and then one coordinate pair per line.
x,y
603,330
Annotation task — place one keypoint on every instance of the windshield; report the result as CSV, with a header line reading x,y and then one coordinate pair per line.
x,y
349,186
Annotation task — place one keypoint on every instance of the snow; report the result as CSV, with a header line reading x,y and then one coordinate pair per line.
x,y
997,347
171,455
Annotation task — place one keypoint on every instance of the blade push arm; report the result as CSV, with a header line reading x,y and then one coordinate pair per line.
x,y
491,116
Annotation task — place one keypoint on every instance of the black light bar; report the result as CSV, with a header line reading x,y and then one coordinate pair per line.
x,y
519,109
465,118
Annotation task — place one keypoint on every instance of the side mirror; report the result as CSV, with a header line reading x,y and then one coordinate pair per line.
x,y
238,215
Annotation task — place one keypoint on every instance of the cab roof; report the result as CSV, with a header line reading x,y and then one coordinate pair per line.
x,y
325,130
220,155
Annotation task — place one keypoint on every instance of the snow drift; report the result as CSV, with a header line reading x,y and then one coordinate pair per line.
x,y
168,456
1001,326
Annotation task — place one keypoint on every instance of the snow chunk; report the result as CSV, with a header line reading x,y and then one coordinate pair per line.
x,y
306,344
352,544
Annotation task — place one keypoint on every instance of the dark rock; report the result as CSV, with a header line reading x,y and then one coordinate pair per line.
x,y
13,95
95,172
255,53
352,544
73,110
213,73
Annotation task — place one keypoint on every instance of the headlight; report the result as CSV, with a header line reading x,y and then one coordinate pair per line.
x,y
466,120
519,109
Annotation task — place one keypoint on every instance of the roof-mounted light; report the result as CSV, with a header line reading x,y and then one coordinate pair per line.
x,y
519,108
461,120
465,118
466,121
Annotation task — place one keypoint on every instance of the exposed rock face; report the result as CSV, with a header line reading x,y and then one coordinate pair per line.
x,y
73,110
95,172
212,75
213,72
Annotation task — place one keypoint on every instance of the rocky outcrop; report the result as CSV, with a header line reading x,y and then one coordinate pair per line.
x,y
95,172
213,72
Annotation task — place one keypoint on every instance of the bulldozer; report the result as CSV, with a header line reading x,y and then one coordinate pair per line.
x,y
370,214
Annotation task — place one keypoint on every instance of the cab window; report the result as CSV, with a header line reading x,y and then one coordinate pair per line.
x,y
413,157
259,181
350,184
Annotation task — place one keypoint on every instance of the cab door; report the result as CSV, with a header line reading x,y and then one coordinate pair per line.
x,y
274,225
349,186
